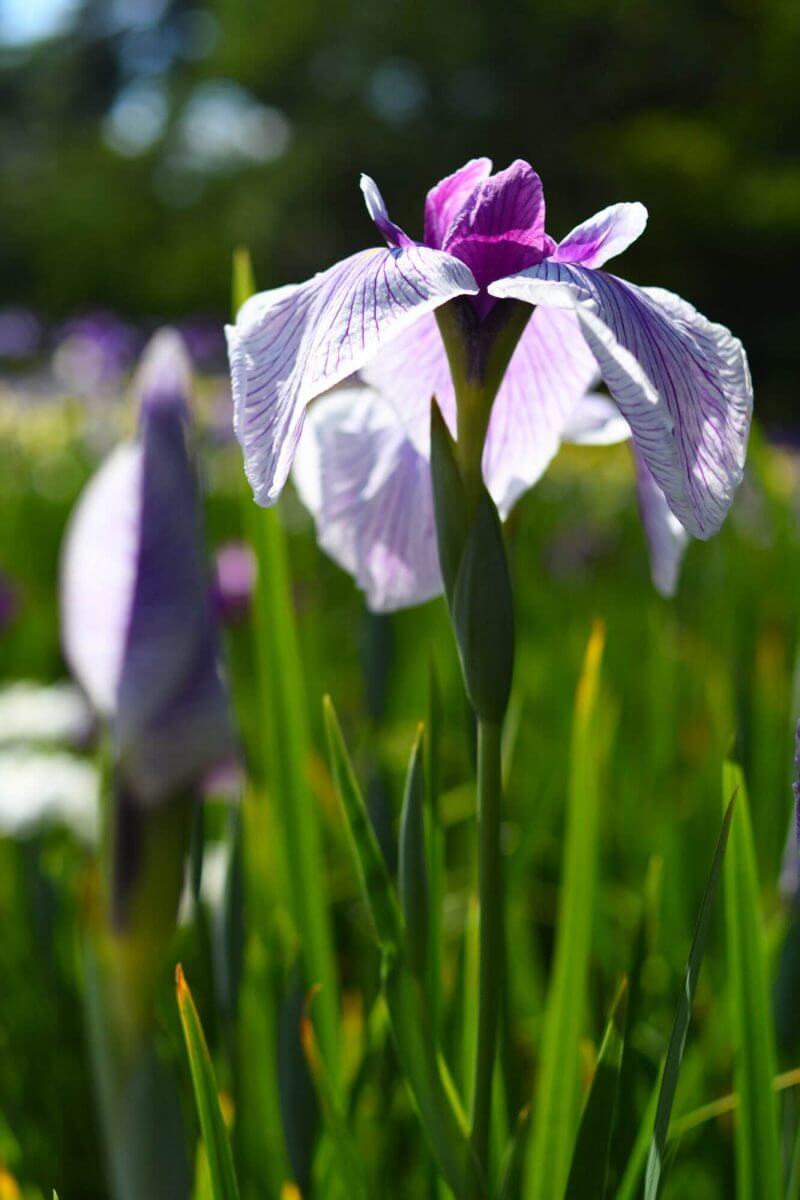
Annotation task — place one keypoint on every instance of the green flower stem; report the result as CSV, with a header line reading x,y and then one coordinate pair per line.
x,y
478,353
490,956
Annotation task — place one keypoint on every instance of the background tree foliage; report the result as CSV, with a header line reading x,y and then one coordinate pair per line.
x,y
692,107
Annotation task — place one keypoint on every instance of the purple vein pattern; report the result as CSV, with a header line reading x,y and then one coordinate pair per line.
x,y
680,383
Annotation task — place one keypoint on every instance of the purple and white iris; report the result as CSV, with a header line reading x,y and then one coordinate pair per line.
x,y
680,385
137,627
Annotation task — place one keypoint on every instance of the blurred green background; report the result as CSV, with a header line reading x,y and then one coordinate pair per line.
x,y
141,142
142,139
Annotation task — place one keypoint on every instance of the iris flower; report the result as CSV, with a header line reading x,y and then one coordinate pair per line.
x,y
137,628
680,385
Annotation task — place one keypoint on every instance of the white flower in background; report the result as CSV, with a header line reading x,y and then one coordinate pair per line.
x,y
39,790
36,712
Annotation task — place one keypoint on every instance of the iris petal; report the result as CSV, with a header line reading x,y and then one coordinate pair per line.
x,y
295,343
603,236
682,383
445,202
369,491
549,372
666,538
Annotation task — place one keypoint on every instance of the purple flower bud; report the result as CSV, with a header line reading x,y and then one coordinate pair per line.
x,y
136,624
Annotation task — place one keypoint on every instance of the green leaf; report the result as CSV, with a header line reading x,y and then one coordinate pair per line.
x,y
283,753
212,1124
758,1174
409,1017
557,1098
588,1176
683,1012
434,838
287,757
376,886
449,501
244,284
413,868
298,1096
349,1160
483,614
513,1161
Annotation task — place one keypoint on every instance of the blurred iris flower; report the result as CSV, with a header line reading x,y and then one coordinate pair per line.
x,y
680,384
137,626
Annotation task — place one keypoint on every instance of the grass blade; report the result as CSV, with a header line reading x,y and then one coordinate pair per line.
x,y
680,1026
349,1160
588,1174
557,1098
212,1125
413,867
287,753
758,1174
511,1170
413,1035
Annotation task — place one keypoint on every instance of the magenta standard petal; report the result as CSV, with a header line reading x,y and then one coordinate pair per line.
x,y
137,630
666,538
549,373
445,202
603,236
500,230
369,491
293,344
682,383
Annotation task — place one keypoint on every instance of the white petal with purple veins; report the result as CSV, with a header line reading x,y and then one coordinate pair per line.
x,y
682,383
369,491
548,374
666,538
596,421
293,344
603,236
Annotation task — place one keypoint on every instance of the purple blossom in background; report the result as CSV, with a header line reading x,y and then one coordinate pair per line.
x,y
94,352
20,333
204,340
234,581
680,384
137,627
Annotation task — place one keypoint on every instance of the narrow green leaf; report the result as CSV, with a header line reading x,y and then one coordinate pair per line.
x,y
588,1174
441,1121
287,746
434,838
511,1169
558,1097
413,868
441,1118
244,284
349,1160
448,500
212,1124
376,886
758,1173
630,1184
286,754
298,1096
483,614
683,1012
